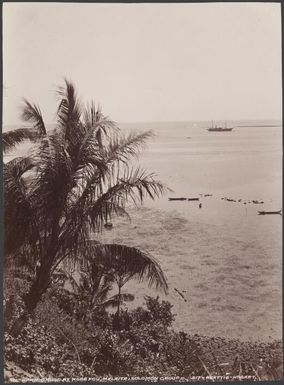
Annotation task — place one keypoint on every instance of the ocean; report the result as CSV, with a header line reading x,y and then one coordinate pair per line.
x,y
224,258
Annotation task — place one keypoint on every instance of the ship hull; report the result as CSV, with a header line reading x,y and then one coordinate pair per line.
x,y
219,129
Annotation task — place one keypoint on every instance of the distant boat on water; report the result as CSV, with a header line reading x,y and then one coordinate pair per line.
x,y
270,212
219,128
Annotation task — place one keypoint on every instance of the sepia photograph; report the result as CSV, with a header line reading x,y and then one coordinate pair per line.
x,y
142,192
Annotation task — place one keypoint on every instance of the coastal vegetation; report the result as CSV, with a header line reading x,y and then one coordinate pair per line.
x,y
60,282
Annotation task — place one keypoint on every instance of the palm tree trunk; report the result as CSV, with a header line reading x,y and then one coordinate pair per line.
x,y
118,307
31,299
40,284
19,323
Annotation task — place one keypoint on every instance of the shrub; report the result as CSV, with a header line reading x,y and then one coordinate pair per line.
x,y
61,341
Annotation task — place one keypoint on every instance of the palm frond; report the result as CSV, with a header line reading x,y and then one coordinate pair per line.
x,y
104,166
18,166
103,290
53,182
98,206
94,118
97,163
129,262
11,138
69,114
123,147
32,113
135,185
89,158
140,184
117,299
18,212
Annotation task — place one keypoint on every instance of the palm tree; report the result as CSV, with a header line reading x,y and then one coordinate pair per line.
x,y
76,179
125,263
115,263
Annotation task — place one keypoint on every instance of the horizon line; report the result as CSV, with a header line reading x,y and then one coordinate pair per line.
x,y
171,121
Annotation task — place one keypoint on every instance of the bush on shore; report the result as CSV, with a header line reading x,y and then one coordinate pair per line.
x,y
58,343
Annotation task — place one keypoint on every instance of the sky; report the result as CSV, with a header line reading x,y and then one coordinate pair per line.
x,y
145,62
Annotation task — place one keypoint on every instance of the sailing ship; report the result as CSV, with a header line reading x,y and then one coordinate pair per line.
x,y
219,128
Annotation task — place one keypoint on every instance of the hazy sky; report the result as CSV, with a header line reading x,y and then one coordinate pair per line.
x,y
146,62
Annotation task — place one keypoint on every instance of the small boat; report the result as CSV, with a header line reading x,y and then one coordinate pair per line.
x,y
269,212
219,128
177,199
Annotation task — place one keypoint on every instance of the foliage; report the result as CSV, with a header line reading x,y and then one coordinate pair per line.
x,y
10,139
124,263
58,342
115,263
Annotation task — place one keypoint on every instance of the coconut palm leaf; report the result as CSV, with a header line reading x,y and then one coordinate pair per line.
x,y
54,178
117,299
122,147
18,211
31,113
18,166
68,116
92,283
103,290
14,137
93,117
94,208
99,165
129,262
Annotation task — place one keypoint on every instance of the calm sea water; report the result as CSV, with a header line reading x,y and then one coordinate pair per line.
x,y
224,256
245,163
